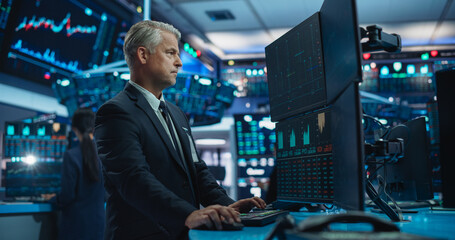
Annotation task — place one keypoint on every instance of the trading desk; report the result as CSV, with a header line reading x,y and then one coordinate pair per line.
x,y
27,221
435,224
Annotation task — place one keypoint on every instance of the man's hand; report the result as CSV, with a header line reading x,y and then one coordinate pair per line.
x,y
245,205
212,216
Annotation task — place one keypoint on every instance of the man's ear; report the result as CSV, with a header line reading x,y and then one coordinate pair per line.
x,y
142,54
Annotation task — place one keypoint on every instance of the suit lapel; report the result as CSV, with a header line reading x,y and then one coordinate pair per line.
x,y
142,103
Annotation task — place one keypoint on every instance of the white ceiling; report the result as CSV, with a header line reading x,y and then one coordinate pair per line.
x,y
257,23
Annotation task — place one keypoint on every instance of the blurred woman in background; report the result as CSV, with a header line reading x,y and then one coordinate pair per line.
x,y
81,198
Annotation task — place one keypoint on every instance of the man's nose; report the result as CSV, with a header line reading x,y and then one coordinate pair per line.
x,y
178,62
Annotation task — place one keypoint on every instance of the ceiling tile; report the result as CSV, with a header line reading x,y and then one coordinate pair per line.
x,y
285,13
240,41
244,19
393,11
451,13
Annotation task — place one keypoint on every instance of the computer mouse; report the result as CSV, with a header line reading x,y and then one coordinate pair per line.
x,y
226,227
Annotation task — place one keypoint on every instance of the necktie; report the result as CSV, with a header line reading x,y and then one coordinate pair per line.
x,y
164,111
167,117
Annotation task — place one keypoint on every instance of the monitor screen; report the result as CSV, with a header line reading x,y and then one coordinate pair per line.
x,y
203,86
51,39
32,180
5,9
320,156
253,174
295,70
225,92
44,141
255,135
304,157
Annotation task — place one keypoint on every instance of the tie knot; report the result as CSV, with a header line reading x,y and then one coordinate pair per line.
x,y
162,106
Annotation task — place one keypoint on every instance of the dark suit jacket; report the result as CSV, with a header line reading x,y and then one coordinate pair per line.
x,y
80,200
150,193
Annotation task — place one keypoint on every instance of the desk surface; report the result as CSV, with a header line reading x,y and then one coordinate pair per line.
x,y
437,224
20,207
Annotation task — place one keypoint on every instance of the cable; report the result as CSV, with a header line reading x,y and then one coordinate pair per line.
x,y
372,174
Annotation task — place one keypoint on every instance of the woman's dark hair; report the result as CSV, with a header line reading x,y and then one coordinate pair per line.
x,y
84,121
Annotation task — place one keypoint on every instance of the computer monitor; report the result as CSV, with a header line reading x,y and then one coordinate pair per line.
x,y
313,75
32,180
44,141
255,144
409,178
295,70
39,35
255,135
446,98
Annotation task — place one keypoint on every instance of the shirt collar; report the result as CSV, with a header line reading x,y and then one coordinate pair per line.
x,y
151,99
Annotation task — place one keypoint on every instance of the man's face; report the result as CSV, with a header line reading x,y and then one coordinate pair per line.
x,y
165,62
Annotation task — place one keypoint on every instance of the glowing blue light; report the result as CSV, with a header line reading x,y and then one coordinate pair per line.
x,y
383,121
115,74
384,70
411,69
106,53
205,81
88,11
26,131
65,82
248,72
261,72
424,69
366,67
397,66
104,17
248,118
125,76
95,66
255,72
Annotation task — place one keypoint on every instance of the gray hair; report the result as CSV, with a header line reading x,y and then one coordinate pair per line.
x,y
146,34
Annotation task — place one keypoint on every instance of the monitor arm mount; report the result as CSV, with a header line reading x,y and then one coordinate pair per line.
x,y
382,149
379,40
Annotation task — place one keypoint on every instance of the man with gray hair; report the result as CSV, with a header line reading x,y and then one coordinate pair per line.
x,y
153,174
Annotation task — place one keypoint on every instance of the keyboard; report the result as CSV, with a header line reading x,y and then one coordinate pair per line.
x,y
261,218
